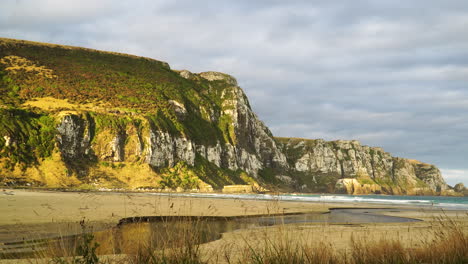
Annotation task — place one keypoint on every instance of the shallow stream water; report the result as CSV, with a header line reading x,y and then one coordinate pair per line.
x,y
164,232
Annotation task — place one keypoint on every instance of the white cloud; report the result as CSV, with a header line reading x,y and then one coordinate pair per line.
x,y
455,176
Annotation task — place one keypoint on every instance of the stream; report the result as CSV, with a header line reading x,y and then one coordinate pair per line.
x,y
170,231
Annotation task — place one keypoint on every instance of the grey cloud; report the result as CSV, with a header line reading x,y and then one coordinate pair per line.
x,y
389,73
48,12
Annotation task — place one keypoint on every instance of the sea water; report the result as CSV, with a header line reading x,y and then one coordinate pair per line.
x,y
443,202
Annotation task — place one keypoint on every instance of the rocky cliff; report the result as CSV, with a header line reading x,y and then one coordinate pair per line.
x,y
247,146
78,117
347,166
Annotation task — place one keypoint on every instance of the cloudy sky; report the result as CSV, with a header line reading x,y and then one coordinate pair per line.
x,y
389,73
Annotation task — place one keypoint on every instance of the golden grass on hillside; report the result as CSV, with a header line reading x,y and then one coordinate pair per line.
x,y
49,103
65,107
13,64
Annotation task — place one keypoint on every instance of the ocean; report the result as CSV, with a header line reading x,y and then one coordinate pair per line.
x,y
443,202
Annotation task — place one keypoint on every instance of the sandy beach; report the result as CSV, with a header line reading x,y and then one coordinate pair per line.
x,y
36,209
28,214
40,212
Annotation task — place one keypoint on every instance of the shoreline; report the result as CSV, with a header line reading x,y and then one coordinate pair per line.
x,y
31,209
220,194
29,214
17,199
40,212
122,190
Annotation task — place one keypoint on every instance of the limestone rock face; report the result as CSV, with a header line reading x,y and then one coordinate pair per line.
x,y
186,74
404,172
165,150
218,76
349,167
352,186
341,158
460,190
250,146
74,134
459,187
118,147
132,121
253,136
430,175
343,166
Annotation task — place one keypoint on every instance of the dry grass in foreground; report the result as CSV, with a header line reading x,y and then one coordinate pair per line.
x,y
447,243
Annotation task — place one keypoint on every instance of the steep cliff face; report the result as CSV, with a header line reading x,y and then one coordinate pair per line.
x,y
71,116
353,168
249,145
100,145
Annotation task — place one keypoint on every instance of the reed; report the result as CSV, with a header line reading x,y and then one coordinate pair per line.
x,y
180,238
180,243
446,242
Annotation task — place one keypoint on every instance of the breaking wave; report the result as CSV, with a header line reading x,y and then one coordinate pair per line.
x,y
455,203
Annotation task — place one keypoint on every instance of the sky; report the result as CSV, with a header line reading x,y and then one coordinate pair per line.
x,y
388,73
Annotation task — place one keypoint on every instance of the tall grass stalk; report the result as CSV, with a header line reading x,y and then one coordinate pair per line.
x,y
446,242
178,242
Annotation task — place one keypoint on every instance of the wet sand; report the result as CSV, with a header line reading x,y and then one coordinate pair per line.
x,y
339,236
31,214
39,213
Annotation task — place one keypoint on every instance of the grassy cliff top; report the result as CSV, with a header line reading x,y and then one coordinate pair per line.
x,y
31,70
56,78
313,142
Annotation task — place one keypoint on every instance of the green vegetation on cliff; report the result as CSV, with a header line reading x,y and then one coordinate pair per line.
x,y
114,82
73,116
26,138
115,103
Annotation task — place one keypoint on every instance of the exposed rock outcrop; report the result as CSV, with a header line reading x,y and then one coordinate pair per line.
x,y
459,187
356,169
340,166
249,147
353,186
74,136
128,121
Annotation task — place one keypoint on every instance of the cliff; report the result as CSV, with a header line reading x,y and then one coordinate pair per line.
x,y
349,167
78,117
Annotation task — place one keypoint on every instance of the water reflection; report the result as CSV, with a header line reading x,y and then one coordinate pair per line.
x,y
169,232
133,234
